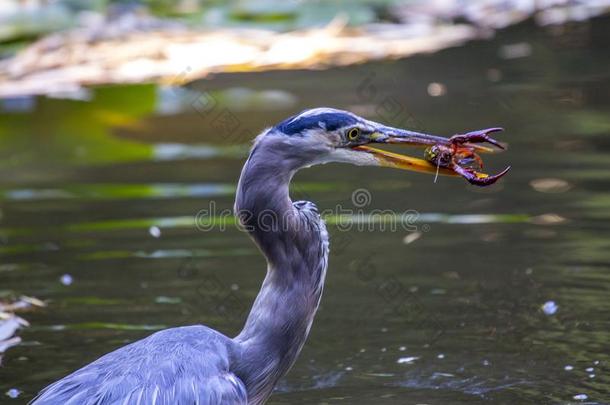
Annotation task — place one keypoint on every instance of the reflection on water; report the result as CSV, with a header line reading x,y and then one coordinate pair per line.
x,y
106,194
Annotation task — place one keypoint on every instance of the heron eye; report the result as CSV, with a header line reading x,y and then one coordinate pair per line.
x,y
353,134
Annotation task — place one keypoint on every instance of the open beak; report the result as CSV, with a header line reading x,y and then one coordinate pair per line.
x,y
466,144
398,161
390,135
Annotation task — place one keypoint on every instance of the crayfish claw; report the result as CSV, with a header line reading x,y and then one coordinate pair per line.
x,y
479,136
477,178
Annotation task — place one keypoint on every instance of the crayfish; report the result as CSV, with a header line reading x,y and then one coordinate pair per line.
x,y
460,155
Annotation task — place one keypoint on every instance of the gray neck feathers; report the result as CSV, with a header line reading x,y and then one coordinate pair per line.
x,y
295,243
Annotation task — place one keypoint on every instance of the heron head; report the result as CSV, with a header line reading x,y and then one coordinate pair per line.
x,y
323,135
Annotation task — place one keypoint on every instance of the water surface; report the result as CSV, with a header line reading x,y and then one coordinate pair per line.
x,y
106,191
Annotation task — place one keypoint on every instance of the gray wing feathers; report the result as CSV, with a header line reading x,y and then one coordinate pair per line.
x,y
188,365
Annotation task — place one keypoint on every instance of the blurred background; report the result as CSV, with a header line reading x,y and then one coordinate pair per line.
x,y
121,121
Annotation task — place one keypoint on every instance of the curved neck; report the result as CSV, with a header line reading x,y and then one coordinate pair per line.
x,y
262,202
294,242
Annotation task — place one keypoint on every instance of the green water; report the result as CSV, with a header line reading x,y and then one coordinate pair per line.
x,y
85,186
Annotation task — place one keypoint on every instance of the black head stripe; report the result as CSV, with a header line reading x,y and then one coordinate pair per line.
x,y
330,120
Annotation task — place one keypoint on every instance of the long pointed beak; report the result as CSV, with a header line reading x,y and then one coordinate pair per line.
x,y
398,161
385,134
457,152
390,135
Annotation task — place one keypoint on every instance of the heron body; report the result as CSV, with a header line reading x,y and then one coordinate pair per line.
x,y
189,364
198,365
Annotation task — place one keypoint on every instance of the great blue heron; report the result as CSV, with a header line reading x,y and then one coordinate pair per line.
x,y
198,365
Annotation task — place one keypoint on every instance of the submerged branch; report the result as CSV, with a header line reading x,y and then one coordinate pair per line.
x,y
142,49
65,62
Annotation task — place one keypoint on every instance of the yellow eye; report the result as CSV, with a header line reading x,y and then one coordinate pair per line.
x,y
353,134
